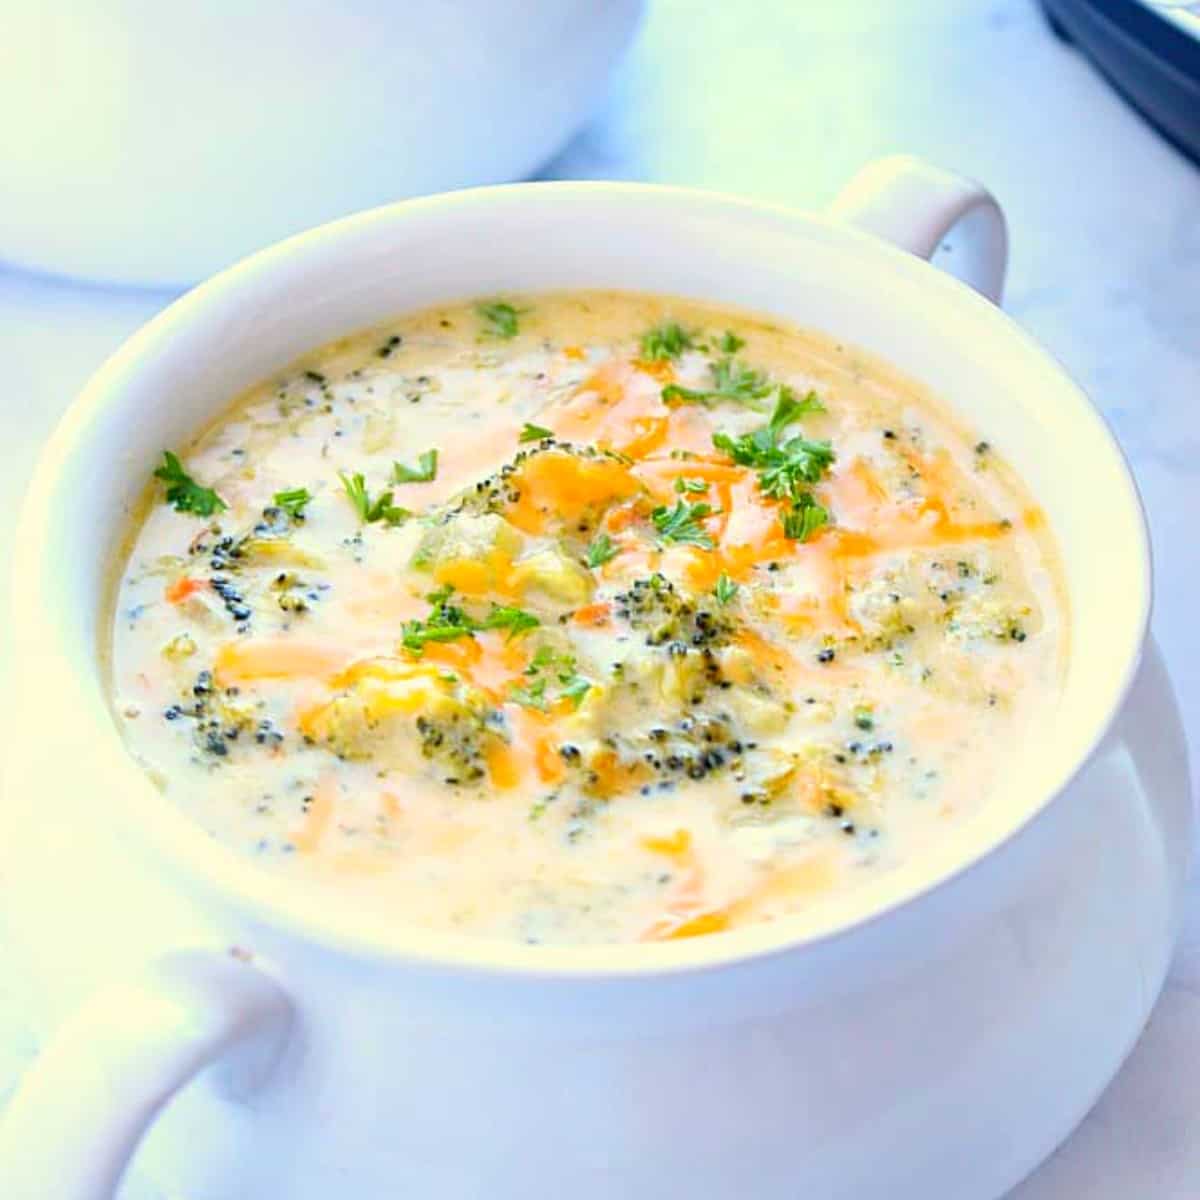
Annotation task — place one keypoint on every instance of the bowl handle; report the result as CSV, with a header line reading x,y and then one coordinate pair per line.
x,y
914,204
82,1108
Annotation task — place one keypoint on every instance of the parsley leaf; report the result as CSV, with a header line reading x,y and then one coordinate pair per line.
x,y
534,433
682,523
789,407
370,511
543,656
515,620
423,472
533,696
732,380
575,688
801,460
294,502
804,519
446,622
730,343
500,319
783,466
666,341
601,551
694,487
725,590
184,492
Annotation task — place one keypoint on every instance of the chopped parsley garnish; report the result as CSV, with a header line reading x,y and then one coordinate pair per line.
x,y
784,466
665,342
544,656
294,502
694,487
423,472
601,551
534,433
183,492
370,511
533,696
500,319
447,622
800,460
804,519
730,343
725,590
732,381
682,523
514,620
789,407
573,687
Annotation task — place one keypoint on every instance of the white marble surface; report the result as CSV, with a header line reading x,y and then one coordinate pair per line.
x,y
783,99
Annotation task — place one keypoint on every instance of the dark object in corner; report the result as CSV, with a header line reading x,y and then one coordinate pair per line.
x,y
1152,60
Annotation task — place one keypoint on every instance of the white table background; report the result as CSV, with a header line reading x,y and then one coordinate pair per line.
x,y
783,99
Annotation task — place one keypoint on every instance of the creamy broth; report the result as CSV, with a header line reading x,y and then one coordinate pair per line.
x,y
588,617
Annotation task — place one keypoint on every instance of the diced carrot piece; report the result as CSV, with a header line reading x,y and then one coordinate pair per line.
x,y
612,776
504,769
592,614
181,589
620,517
677,846
675,927
648,434
548,761
660,368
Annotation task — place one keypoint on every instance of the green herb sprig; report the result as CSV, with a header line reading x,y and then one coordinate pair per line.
x,y
501,320
804,518
184,493
681,523
786,466
665,342
725,590
294,502
423,472
370,511
534,433
733,382
447,622
601,551
547,662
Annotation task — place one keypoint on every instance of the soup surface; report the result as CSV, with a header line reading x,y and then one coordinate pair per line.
x,y
589,617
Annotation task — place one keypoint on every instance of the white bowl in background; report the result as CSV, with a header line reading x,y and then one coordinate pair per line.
x,y
155,143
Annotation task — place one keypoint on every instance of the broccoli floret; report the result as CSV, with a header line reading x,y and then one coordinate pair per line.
x,y
396,712
656,608
219,715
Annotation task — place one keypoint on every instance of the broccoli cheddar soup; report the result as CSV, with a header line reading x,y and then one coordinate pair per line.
x,y
588,617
